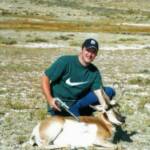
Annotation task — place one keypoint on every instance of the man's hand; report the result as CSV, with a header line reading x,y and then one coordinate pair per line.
x,y
53,104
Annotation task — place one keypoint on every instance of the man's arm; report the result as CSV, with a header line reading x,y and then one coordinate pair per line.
x,y
46,88
102,97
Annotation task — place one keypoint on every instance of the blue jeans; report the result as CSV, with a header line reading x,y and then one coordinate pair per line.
x,y
81,107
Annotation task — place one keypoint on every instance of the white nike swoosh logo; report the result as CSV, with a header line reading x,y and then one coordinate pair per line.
x,y
75,83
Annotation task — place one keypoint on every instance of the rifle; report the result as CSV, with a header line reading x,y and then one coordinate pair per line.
x,y
66,108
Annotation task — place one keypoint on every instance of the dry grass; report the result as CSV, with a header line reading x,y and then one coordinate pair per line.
x,y
22,104
73,26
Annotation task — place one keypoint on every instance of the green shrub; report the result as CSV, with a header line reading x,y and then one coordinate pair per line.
x,y
5,12
38,114
142,102
127,39
62,37
16,105
131,11
139,81
7,41
21,139
146,71
38,40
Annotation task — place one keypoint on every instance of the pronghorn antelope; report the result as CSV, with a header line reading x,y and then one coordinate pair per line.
x,y
60,131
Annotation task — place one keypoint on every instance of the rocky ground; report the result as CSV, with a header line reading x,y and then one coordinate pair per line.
x,y
34,33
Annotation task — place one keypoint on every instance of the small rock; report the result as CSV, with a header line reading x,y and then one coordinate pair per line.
x,y
147,106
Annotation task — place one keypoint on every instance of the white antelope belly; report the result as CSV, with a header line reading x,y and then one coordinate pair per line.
x,y
77,134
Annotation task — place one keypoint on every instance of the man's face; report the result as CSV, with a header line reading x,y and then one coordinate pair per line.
x,y
88,55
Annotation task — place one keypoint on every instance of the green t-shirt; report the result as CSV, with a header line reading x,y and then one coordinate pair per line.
x,y
71,80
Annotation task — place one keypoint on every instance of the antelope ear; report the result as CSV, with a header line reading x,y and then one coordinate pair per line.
x,y
99,108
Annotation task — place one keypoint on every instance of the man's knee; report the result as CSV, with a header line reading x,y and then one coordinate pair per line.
x,y
110,92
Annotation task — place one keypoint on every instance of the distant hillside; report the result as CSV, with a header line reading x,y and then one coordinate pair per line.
x,y
83,10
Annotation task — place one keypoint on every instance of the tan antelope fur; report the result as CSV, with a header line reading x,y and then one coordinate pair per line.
x,y
60,131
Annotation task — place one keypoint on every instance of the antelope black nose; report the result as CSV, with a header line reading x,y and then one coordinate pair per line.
x,y
121,118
